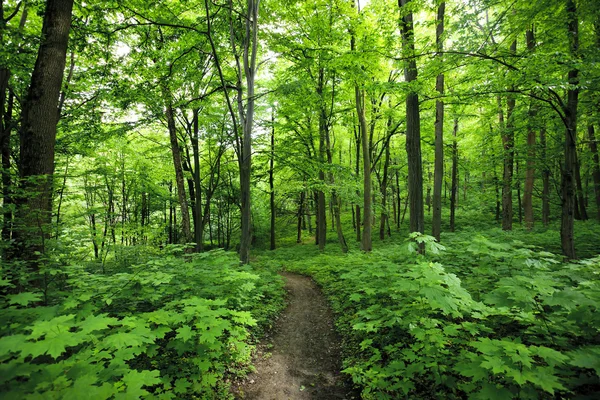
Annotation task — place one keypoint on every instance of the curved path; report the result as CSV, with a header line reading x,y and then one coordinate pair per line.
x,y
304,359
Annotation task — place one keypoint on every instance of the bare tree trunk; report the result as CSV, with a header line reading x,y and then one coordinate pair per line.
x,y
198,227
508,141
38,130
179,178
271,186
334,197
357,137
596,166
7,191
454,184
570,152
545,180
438,172
580,201
384,185
366,244
413,129
300,218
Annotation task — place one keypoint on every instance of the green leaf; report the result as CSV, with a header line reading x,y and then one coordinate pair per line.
x,y
586,357
23,299
184,333
13,343
56,326
97,323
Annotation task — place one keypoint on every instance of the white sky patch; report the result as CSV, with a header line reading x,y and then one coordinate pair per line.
x,y
121,49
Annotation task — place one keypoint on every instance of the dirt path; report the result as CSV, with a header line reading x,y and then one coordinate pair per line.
x,y
304,358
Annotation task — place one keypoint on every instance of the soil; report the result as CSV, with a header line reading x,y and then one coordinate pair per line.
x,y
301,360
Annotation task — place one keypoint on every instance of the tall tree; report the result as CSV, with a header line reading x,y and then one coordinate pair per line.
x,y
438,170
595,167
530,171
568,193
413,123
38,129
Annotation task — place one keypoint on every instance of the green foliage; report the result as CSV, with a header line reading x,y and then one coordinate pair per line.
x,y
478,318
166,328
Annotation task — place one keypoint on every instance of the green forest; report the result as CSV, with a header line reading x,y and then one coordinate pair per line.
x,y
431,165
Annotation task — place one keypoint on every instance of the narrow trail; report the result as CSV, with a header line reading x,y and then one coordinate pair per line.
x,y
304,360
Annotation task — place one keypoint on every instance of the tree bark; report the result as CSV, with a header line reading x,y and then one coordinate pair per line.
x,y
366,242
38,130
570,152
384,186
545,180
438,171
595,167
580,193
413,128
454,184
271,182
179,178
508,141
530,171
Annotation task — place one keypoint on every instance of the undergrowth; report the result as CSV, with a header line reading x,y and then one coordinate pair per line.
x,y
482,317
170,326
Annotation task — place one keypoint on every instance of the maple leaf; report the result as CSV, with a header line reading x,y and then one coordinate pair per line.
x,y
97,323
23,299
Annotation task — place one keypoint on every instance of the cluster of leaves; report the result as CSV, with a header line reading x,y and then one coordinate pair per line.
x,y
170,327
496,321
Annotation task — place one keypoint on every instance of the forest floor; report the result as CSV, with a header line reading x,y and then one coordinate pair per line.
x,y
301,359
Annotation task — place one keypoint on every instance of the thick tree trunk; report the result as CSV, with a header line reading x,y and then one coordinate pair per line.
x,y
38,130
413,129
179,178
570,152
250,49
595,167
454,184
438,171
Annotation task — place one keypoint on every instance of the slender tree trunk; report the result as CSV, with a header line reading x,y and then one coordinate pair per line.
x,y
39,118
413,129
568,193
453,191
5,146
300,218
438,172
545,180
580,193
357,137
398,200
179,178
198,228
596,166
335,201
271,186
384,185
366,242
508,141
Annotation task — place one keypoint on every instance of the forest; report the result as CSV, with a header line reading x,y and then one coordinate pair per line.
x,y
431,165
